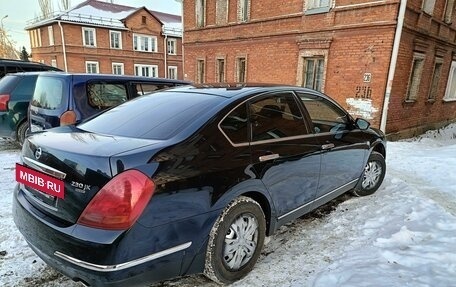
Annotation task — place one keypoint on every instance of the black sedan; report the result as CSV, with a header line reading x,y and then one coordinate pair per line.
x,y
188,180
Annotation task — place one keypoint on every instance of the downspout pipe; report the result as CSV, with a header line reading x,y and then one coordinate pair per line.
x,y
392,67
166,54
63,47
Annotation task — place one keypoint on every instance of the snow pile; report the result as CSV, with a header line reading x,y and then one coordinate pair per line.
x,y
403,235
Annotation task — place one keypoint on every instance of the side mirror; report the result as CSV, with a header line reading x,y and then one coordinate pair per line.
x,y
362,124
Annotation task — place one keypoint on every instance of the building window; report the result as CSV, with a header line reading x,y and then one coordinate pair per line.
x,y
51,35
449,11
54,63
428,6
144,20
313,70
220,70
435,79
415,78
115,39
92,67
243,10
200,71
317,6
172,72
35,36
221,12
144,43
241,69
200,11
450,93
89,37
172,46
146,70
118,68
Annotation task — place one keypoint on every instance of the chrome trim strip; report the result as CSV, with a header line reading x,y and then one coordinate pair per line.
x,y
36,200
43,168
268,157
121,266
323,196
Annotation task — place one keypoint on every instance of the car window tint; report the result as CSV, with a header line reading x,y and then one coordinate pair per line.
x,y
48,93
24,89
277,116
106,95
325,116
158,116
145,88
7,83
234,125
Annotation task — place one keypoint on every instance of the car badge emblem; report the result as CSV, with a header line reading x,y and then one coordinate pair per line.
x,y
38,153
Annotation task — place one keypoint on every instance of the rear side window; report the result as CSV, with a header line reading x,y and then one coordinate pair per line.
x,y
235,125
106,95
48,93
158,116
8,83
145,88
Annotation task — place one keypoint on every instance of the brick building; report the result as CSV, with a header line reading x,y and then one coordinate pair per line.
x,y
101,37
392,62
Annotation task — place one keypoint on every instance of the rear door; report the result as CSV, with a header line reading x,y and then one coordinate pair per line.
x,y
285,154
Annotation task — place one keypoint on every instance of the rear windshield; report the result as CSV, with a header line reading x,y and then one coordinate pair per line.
x,y
48,93
156,116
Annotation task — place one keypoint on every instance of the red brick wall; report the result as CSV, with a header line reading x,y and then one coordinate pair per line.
x,y
77,54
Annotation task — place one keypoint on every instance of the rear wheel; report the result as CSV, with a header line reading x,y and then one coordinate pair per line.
x,y
235,241
373,175
21,132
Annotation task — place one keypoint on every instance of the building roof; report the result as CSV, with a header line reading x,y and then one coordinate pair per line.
x,y
105,14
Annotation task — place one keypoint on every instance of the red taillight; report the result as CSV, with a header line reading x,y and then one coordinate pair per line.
x,y
68,118
4,99
120,202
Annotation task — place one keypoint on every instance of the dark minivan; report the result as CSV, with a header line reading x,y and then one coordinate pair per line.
x,y
66,98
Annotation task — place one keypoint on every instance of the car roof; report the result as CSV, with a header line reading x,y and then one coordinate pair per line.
x,y
85,76
236,90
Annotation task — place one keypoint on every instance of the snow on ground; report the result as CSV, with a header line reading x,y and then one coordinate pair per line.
x,y
403,235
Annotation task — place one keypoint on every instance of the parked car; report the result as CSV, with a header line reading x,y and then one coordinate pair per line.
x,y
16,91
187,180
15,66
65,98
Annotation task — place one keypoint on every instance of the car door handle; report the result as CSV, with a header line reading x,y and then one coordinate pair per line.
x,y
327,146
269,157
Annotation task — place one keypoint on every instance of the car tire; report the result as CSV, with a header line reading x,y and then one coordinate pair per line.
x,y
21,132
235,241
372,176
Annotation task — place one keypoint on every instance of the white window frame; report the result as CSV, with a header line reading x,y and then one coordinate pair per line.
x,y
89,69
220,78
317,6
54,63
172,46
118,65
51,35
140,70
172,70
414,82
238,69
450,92
221,12
200,13
145,43
243,10
119,34
428,6
200,71
87,42
448,15
435,79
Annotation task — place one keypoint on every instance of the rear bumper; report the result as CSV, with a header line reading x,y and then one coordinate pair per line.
x,y
100,257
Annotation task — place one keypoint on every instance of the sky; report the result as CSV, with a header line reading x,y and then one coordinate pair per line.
x,y
19,12
403,235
